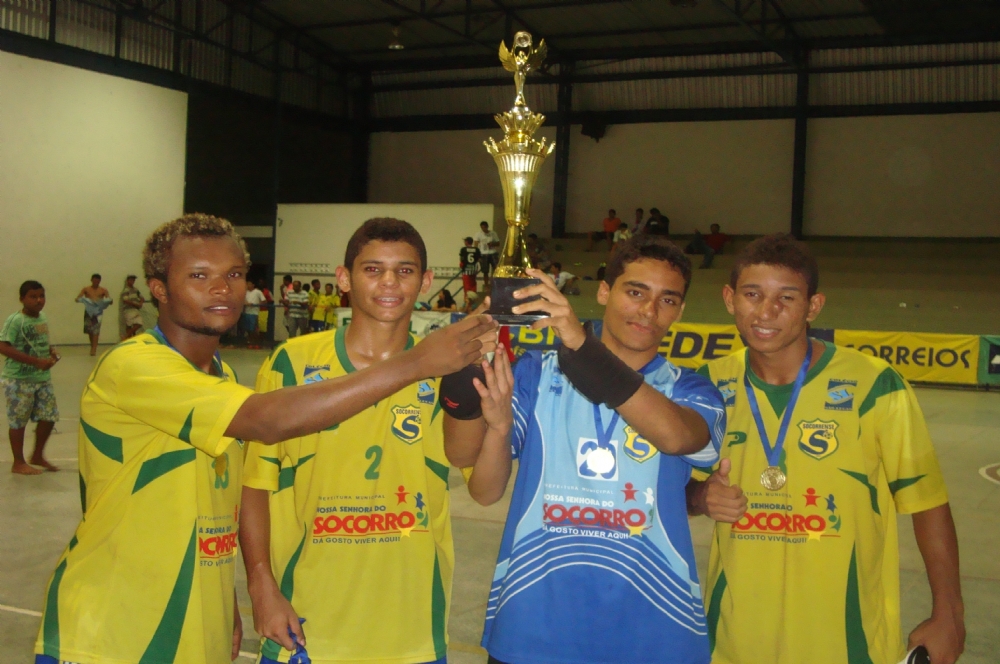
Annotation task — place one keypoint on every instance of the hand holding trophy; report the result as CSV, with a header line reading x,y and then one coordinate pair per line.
x,y
519,157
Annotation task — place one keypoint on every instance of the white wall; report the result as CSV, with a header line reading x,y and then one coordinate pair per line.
x,y
451,167
737,174
919,175
90,165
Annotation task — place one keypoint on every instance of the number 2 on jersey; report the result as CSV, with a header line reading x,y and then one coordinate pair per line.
x,y
375,453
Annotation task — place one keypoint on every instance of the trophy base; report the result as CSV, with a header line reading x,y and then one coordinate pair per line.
x,y
502,301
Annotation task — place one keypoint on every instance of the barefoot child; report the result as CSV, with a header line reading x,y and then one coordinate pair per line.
x,y
27,382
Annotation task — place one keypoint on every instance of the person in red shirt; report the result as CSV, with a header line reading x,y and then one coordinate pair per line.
x,y
710,245
715,239
611,224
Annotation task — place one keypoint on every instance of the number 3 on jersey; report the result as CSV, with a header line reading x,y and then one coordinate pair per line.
x,y
373,453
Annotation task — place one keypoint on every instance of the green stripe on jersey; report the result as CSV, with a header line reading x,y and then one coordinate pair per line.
x,y
161,465
283,365
872,491
715,607
50,625
854,628
83,494
340,345
439,613
286,476
887,382
167,637
439,469
108,445
271,649
185,432
904,482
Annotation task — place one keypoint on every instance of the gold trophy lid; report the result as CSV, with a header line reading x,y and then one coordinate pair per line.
x,y
520,123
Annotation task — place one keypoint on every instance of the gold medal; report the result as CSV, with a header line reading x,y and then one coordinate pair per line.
x,y
772,478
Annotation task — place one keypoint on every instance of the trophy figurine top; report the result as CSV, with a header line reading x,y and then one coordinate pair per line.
x,y
519,158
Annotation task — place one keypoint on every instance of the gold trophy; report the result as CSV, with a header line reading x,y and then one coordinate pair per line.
x,y
519,157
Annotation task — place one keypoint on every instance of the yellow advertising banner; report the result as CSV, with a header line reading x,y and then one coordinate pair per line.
x,y
685,345
931,358
692,344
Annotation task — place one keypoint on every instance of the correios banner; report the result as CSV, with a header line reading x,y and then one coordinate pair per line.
x,y
925,357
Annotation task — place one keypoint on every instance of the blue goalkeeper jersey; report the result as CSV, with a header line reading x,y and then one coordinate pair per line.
x,y
596,562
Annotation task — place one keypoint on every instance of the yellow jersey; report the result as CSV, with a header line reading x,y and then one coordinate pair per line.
x,y
323,305
148,575
811,572
361,539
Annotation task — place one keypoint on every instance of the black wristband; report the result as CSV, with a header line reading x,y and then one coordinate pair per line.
x,y
598,373
459,397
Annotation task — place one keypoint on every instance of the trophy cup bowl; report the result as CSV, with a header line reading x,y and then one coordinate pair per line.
x,y
519,158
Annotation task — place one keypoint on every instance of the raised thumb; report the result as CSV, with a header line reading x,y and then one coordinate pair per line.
x,y
724,467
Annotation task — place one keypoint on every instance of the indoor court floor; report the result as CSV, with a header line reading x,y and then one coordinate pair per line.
x,y
40,514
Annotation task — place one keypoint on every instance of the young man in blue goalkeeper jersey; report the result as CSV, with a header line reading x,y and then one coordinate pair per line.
x,y
596,562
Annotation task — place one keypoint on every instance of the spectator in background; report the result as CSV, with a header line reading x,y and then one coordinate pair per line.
x,y
715,239
657,224
265,311
489,244
471,302
130,309
709,245
622,234
537,253
312,304
95,299
27,381
609,225
445,301
314,293
283,291
297,305
469,258
336,302
286,285
324,304
565,281
250,320
637,226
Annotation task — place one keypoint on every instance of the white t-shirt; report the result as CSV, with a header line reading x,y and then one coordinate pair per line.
x,y
562,278
253,300
483,241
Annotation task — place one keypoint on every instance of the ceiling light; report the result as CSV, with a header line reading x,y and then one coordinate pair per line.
x,y
395,44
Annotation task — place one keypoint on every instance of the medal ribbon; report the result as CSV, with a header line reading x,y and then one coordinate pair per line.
x,y
604,435
774,453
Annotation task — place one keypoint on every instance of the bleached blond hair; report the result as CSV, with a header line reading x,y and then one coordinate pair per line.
x,y
156,254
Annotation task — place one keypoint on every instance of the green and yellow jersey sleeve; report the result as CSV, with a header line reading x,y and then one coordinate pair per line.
x,y
908,458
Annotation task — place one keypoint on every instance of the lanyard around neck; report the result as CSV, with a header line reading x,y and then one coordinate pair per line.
x,y
774,452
